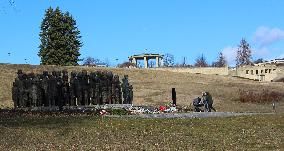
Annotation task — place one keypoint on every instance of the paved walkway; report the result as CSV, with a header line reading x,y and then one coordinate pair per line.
x,y
188,115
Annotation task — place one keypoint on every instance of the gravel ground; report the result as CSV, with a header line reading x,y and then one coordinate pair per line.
x,y
188,115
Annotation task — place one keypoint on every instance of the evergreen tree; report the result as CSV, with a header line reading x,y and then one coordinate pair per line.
x,y
221,62
243,54
60,39
201,61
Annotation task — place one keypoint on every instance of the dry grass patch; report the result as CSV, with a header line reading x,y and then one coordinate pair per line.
x,y
153,87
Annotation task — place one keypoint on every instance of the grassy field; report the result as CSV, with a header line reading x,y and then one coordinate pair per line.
x,y
259,132
154,87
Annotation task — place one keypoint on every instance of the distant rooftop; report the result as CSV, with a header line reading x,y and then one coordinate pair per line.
x,y
275,61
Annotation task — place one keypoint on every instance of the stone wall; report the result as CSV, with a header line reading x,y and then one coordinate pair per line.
x,y
201,70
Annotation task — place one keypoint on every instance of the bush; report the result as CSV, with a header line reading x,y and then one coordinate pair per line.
x,y
265,96
127,65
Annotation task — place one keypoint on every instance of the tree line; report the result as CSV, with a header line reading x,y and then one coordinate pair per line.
x,y
243,57
61,41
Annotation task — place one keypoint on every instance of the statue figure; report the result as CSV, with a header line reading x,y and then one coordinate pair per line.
x,y
85,87
73,93
52,87
44,86
17,90
78,89
130,95
35,92
109,77
125,90
30,90
24,92
59,96
15,95
118,91
92,86
65,88
98,88
104,88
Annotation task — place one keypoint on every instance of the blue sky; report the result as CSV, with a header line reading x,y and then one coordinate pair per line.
x,y
116,29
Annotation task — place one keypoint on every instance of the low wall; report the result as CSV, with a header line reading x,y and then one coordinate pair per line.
x,y
200,70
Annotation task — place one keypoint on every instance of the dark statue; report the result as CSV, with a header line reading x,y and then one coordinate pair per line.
x,y
81,89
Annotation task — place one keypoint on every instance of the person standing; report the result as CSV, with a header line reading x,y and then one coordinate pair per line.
x,y
208,101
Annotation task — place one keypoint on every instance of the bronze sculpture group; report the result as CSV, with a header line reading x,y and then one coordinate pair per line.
x,y
81,89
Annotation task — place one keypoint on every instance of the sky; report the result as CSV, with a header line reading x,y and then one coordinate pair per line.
x,y
112,30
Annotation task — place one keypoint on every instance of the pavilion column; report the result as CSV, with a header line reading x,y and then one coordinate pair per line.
x,y
145,62
162,62
157,62
134,61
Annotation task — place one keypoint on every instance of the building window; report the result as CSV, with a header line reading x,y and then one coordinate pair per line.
x,y
269,70
247,71
261,71
256,71
266,70
274,69
251,72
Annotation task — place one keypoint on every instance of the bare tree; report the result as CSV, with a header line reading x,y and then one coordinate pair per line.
x,y
201,61
243,54
106,62
92,61
169,60
151,64
259,60
221,61
89,61
7,5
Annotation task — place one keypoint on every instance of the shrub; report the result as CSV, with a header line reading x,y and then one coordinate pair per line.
x,y
127,65
265,96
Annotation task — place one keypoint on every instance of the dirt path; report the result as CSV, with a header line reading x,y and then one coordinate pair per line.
x,y
189,115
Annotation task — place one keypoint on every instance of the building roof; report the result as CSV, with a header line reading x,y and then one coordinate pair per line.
x,y
275,61
146,55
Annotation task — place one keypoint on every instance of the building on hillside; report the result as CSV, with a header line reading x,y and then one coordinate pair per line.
x,y
146,57
101,65
267,71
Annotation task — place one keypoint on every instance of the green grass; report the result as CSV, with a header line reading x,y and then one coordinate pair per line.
x,y
259,132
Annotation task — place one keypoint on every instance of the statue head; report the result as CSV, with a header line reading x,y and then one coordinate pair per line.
x,y
45,73
84,73
20,71
53,73
31,75
65,72
58,73
126,76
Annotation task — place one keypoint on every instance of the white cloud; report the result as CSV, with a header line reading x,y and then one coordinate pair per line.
x,y
230,53
264,39
265,36
260,52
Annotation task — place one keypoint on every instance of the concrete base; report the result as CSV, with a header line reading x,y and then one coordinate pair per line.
x,y
88,107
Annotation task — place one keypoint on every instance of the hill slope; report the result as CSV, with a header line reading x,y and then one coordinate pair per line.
x,y
153,87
